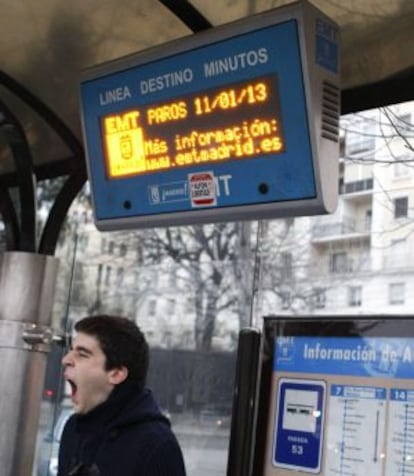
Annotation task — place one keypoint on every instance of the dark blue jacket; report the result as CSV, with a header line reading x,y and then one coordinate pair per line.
x,y
125,436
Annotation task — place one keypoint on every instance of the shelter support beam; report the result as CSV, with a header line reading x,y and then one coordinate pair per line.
x,y
27,284
188,14
23,237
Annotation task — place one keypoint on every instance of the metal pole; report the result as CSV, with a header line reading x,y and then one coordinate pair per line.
x,y
27,286
245,397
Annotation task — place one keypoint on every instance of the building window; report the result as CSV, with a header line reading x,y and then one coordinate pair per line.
x,y
83,242
339,262
396,293
123,248
355,296
189,305
120,276
171,306
319,298
111,246
361,140
152,307
108,274
99,274
285,299
401,207
368,219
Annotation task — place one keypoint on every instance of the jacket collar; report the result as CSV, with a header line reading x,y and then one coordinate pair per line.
x,y
107,412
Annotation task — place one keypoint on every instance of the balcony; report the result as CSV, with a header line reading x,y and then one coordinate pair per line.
x,y
344,230
330,267
357,190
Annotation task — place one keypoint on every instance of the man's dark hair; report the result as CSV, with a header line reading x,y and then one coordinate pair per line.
x,y
121,341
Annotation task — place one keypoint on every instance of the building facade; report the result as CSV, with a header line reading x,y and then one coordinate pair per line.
x,y
358,260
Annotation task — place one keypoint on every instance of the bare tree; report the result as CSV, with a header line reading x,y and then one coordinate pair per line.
x,y
217,261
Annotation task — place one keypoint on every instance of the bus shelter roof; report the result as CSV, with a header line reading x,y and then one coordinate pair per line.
x,y
47,43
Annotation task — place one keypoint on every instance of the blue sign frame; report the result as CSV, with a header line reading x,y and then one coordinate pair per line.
x,y
364,366
255,157
384,357
298,442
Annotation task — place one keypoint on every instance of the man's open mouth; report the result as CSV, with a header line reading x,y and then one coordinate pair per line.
x,y
73,387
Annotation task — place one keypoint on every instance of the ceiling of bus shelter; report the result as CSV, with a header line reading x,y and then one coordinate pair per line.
x,y
45,44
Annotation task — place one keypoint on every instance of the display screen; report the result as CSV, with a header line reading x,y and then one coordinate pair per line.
x,y
236,122
219,126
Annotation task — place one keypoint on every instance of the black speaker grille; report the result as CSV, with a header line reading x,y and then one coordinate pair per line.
x,y
330,111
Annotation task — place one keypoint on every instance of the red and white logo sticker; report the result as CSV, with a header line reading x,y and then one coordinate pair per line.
x,y
202,189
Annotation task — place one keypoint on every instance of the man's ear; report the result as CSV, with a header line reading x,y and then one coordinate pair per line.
x,y
117,375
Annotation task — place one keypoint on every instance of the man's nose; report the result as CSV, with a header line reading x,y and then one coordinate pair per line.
x,y
67,358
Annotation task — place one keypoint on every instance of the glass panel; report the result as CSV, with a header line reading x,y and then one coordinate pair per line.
x,y
189,289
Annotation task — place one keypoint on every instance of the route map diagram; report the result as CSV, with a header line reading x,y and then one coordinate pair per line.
x,y
363,426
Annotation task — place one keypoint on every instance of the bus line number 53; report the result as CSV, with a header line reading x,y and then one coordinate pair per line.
x,y
297,449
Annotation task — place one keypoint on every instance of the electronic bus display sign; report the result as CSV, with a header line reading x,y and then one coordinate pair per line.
x,y
239,122
340,396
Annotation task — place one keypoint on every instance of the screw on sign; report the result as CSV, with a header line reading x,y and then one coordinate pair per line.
x,y
203,189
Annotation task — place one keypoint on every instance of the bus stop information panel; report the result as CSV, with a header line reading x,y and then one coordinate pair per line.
x,y
341,396
238,122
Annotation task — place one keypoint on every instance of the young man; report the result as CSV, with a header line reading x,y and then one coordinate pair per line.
x,y
117,428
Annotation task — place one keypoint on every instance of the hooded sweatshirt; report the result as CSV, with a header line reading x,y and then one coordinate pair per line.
x,y
124,436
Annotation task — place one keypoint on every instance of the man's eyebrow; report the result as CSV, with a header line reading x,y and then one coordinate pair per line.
x,y
80,348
